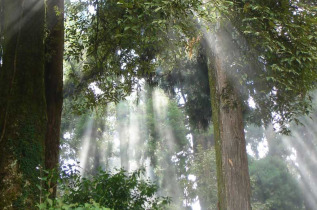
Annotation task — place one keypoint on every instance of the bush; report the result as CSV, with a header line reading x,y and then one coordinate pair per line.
x,y
119,190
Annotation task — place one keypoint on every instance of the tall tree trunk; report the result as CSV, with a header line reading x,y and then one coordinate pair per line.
x,y
124,147
231,157
93,158
54,82
22,103
123,134
152,134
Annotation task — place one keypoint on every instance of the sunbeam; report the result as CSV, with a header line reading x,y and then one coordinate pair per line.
x,y
304,141
85,145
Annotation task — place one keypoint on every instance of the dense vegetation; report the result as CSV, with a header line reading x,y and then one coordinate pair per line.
x,y
165,85
113,190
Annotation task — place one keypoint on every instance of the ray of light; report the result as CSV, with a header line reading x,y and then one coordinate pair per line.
x,y
303,141
83,154
167,141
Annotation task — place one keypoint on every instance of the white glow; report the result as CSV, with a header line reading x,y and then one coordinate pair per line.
x,y
97,91
192,177
70,162
251,103
160,103
196,205
250,151
263,148
67,135
91,9
83,154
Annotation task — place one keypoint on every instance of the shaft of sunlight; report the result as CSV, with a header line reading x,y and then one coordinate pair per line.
x,y
167,144
83,154
304,143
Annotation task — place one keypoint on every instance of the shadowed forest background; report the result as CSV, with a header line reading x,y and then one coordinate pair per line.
x,y
138,104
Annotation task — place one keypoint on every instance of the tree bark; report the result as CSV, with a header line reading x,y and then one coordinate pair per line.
x,y
232,164
54,48
22,103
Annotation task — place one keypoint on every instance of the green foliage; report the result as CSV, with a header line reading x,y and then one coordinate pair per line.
x,y
175,119
204,168
118,190
97,125
123,41
279,41
119,42
189,79
60,205
273,185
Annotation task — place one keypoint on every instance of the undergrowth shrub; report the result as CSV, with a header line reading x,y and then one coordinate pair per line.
x,y
105,190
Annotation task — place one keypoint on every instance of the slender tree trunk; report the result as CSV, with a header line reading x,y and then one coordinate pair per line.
x,y
124,146
22,103
123,134
152,134
231,157
96,159
54,47
93,158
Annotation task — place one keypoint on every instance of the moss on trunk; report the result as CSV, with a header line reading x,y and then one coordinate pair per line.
x,y
22,102
217,140
231,158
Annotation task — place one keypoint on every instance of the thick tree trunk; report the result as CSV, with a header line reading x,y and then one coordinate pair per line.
x,y
231,157
22,103
54,82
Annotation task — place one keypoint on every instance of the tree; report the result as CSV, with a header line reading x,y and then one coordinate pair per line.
x,y
232,164
54,49
260,31
270,33
274,186
22,102
23,75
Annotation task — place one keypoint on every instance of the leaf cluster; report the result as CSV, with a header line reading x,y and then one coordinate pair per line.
x,y
119,43
113,190
273,184
278,63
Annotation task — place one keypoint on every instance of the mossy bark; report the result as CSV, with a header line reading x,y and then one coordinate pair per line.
x,y
22,103
233,179
54,48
